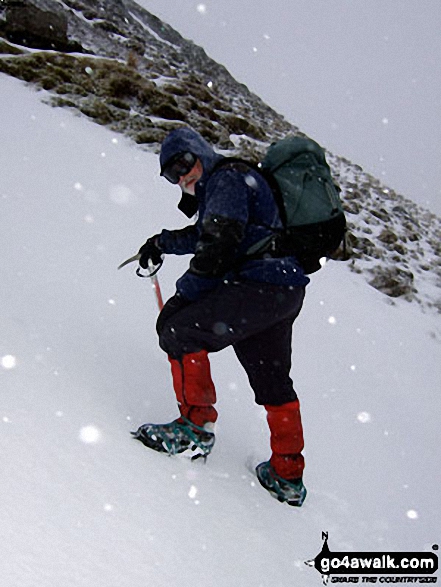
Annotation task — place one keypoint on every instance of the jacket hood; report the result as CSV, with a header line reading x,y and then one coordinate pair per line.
x,y
183,140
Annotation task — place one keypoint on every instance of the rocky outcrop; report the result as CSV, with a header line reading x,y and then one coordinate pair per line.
x,y
40,25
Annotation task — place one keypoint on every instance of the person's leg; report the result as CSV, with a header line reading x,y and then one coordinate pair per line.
x,y
266,357
191,434
231,313
194,388
286,431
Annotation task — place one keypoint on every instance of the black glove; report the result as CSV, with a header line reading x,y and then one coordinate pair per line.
x,y
150,251
173,305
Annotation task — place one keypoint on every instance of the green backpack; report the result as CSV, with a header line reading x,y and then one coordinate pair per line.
x,y
308,200
314,223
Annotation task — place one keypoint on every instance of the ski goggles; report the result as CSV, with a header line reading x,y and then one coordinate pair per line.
x,y
178,166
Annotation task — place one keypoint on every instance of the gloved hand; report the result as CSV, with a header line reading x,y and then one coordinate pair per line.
x,y
173,305
150,251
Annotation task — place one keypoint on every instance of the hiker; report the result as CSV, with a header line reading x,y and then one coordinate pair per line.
x,y
238,291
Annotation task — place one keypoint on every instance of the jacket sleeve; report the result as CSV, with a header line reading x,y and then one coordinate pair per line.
x,y
179,242
217,247
222,228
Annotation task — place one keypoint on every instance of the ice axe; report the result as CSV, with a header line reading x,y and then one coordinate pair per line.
x,y
152,274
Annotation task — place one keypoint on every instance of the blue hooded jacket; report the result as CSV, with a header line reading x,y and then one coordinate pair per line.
x,y
236,210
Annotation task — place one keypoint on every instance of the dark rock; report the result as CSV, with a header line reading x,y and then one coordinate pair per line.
x,y
366,247
352,207
168,111
400,248
393,281
388,236
151,135
40,26
381,214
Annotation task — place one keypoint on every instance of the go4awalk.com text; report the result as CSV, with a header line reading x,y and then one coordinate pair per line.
x,y
375,567
383,563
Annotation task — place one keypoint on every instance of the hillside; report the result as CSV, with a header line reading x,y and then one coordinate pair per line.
x,y
121,66
82,503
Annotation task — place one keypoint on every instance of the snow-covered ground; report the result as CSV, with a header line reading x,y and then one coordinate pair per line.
x,y
82,504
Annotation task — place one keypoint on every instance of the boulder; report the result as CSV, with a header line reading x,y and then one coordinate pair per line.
x,y
41,26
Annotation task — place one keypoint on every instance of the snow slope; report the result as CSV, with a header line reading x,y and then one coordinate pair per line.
x,y
82,503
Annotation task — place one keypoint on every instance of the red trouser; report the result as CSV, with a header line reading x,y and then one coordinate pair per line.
x,y
286,430
196,395
194,387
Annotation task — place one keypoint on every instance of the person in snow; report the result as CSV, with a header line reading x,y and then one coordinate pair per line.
x,y
238,291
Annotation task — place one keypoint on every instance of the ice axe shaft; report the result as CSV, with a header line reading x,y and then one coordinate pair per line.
x,y
152,275
156,288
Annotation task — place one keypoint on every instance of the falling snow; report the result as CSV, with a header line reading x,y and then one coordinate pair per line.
x,y
9,362
251,181
412,515
192,492
364,417
220,328
89,434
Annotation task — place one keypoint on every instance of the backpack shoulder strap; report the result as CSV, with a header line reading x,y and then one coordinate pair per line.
x,y
234,163
244,166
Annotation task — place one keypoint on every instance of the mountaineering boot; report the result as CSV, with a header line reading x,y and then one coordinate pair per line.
x,y
193,433
179,437
282,474
292,492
